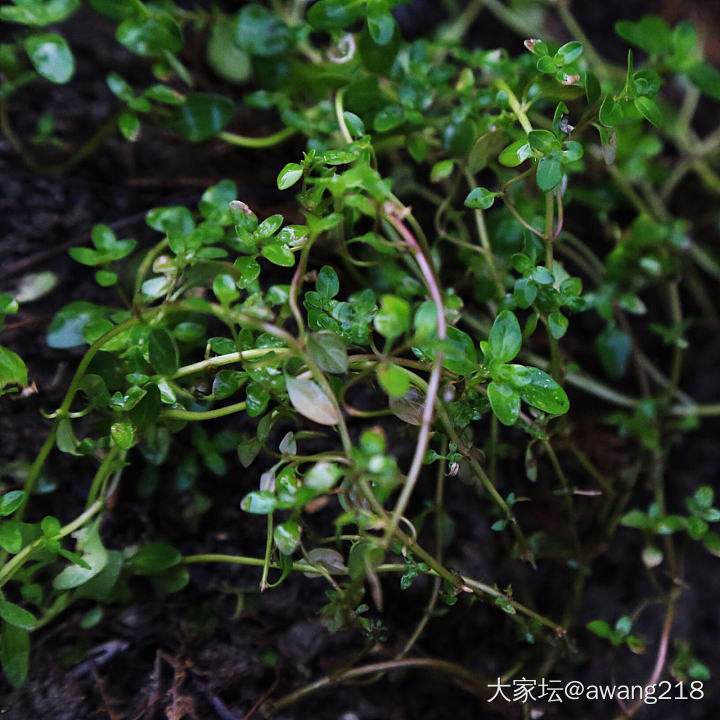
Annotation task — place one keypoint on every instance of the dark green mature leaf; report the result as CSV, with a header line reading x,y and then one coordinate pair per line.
x,y
37,13
14,654
202,116
549,173
163,352
614,348
328,350
155,557
150,35
334,14
258,31
51,56
460,352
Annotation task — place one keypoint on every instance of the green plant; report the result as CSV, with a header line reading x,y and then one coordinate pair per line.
x,y
283,329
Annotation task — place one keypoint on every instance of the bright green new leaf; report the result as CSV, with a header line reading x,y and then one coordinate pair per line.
x,y
505,338
505,402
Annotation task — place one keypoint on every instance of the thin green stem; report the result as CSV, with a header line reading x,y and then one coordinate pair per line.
x,y
257,142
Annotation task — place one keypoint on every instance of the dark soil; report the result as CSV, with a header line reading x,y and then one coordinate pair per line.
x,y
218,649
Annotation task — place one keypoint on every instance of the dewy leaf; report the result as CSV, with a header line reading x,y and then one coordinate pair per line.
x,y
505,402
14,654
328,350
289,175
51,56
539,389
311,401
66,328
202,116
162,351
322,477
515,154
505,337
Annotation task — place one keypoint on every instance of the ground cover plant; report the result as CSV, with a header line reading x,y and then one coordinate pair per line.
x,y
453,387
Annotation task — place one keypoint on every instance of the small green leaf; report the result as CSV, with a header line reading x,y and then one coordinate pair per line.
x,y
289,175
649,110
150,34
543,141
123,435
569,52
611,113
393,380
202,116
322,477
327,283
328,350
481,199
287,537
11,539
600,627
106,278
393,318
225,290
16,616
259,502
10,502
12,370
279,253
549,173
51,56
614,348
258,31
381,27
334,14
129,126
155,557
515,154
557,324
505,337
505,402
15,654
224,56
163,352
540,390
